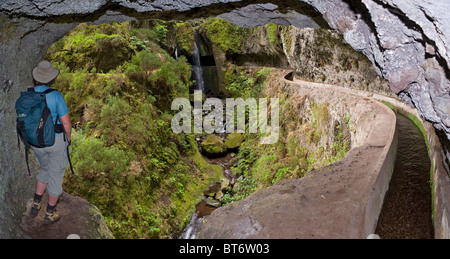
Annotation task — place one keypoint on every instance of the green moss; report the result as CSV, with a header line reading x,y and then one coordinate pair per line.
x,y
185,37
210,172
89,46
240,83
419,125
264,169
320,117
432,187
213,146
204,175
144,178
98,227
225,35
389,105
234,140
272,33
287,37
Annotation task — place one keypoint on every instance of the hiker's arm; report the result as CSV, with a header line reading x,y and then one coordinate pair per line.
x,y
67,124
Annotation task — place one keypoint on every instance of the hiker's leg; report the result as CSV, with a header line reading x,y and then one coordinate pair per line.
x,y
43,177
52,200
57,168
57,165
40,188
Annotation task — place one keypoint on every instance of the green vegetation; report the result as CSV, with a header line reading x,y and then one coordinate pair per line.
x,y
227,36
272,33
234,140
144,179
88,47
213,146
303,133
242,83
119,81
185,39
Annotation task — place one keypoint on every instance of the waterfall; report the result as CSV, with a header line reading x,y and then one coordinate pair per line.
x,y
198,70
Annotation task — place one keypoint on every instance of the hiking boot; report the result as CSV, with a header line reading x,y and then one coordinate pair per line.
x,y
51,216
36,207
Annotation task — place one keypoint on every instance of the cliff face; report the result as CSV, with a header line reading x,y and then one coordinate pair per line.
x,y
408,43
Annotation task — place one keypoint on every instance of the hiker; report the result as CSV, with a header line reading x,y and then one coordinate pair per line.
x,y
53,160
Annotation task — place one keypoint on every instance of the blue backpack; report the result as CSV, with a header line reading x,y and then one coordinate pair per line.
x,y
35,125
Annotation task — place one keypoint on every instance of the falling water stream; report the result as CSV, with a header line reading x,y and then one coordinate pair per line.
x,y
202,209
197,66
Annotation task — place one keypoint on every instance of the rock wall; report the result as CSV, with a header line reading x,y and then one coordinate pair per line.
x,y
407,41
321,55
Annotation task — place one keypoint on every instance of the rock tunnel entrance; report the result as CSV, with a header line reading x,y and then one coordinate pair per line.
x,y
209,59
42,31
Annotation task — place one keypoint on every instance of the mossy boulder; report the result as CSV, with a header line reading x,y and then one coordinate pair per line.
x,y
213,146
185,38
234,141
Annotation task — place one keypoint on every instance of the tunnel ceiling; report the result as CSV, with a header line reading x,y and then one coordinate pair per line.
x,y
407,41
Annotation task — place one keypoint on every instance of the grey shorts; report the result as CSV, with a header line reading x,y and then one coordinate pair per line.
x,y
53,162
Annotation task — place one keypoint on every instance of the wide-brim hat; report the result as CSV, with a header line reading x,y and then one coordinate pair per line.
x,y
45,72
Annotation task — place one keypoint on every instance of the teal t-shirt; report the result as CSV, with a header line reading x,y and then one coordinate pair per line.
x,y
55,102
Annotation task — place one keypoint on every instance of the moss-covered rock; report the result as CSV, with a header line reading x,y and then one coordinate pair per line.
x,y
185,38
224,34
234,141
213,146
90,47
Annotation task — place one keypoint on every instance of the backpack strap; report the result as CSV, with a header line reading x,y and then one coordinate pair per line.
x,y
58,127
31,89
48,91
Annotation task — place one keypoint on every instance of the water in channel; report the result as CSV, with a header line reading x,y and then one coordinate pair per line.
x,y
406,212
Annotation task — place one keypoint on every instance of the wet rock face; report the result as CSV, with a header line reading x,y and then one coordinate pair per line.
x,y
407,41
404,40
